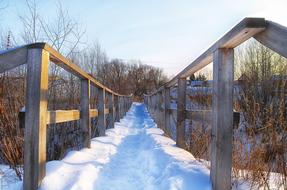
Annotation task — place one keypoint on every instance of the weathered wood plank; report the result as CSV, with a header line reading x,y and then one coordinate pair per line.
x,y
222,120
85,120
101,111
181,106
66,64
274,37
93,113
206,116
166,109
116,104
244,30
161,109
111,110
59,116
35,118
13,58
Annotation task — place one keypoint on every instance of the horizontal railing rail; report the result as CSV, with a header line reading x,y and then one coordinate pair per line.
x,y
222,117
36,117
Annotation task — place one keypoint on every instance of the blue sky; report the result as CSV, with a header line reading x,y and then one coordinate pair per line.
x,y
165,33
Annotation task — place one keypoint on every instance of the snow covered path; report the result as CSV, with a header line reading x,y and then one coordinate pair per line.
x,y
132,156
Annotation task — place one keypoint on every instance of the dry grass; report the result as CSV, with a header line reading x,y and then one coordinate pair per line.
x,y
11,136
263,149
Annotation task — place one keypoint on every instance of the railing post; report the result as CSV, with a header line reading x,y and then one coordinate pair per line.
x,y
152,106
166,108
125,105
116,105
111,111
150,103
85,120
156,107
120,107
160,110
181,106
35,118
101,112
222,119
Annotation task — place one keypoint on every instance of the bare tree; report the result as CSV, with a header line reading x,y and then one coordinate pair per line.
x,y
32,29
63,32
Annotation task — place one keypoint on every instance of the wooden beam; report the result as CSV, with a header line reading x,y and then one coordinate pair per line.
x,y
116,104
244,30
12,58
166,109
274,37
111,110
121,107
161,109
102,112
93,113
206,116
66,64
35,118
85,120
181,105
59,116
222,120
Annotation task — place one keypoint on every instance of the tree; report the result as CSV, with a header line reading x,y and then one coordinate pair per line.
x,y
32,29
201,77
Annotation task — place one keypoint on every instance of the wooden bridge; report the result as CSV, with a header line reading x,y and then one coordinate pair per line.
x,y
222,117
38,56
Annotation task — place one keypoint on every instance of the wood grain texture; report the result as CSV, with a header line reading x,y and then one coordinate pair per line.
x,y
166,109
274,37
35,118
102,112
85,120
181,106
12,58
59,116
222,119
111,110
244,30
116,104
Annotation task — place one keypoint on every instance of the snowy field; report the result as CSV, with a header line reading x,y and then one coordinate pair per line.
x,y
132,156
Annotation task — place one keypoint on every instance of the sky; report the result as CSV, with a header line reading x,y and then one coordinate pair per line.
x,y
165,33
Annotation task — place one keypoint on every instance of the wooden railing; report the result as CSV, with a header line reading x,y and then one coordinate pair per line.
x,y
37,57
270,34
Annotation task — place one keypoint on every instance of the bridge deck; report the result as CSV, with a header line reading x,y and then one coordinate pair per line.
x,y
133,155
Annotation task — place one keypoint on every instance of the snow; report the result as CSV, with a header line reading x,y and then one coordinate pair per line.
x,y
133,155
8,179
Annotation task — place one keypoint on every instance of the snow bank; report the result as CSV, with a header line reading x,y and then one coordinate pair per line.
x,y
8,179
133,155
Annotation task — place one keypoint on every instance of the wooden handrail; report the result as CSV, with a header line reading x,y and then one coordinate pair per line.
x,y
222,117
17,56
244,30
37,56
